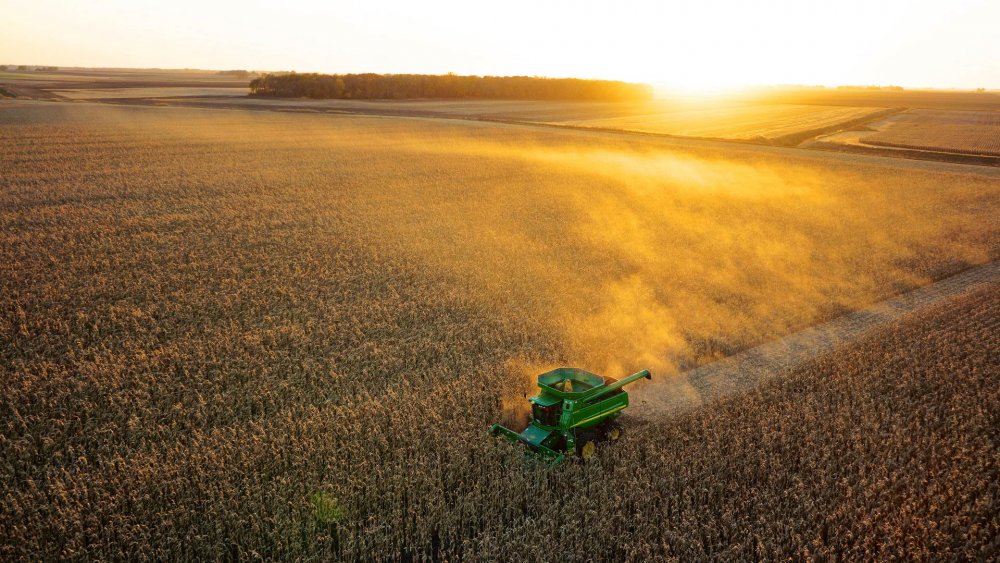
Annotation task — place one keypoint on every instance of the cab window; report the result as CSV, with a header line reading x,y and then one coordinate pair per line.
x,y
548,416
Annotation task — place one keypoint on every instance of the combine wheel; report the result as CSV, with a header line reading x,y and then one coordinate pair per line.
x,y
614,433
588,449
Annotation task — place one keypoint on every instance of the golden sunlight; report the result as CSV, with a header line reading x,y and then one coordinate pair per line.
x,y
695,47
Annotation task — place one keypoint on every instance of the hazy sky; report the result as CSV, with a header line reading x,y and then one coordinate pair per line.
x,y
696,44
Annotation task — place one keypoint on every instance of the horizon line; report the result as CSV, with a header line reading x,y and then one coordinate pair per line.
x,y
654,84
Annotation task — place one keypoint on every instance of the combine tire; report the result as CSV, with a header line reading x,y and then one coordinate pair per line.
x,y
588,449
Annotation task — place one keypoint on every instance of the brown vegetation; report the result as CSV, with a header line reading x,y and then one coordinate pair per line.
x,y
778,124
403,86
966,132
931,99
284,336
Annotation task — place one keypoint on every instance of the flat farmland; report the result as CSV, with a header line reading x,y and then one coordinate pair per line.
x,y
742,122
531,111
940,121
77,83
762,122
916,99
969,132
156,92
886,446
235,333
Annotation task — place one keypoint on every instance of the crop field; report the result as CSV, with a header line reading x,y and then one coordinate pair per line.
x,y
917,99
721,120
971,132
161,92
754,121
34,77
752,367
886,449
109,75
283,335
511,110
962,122
80,84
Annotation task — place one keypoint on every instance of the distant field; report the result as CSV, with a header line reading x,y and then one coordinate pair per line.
x,y
25,76
513,110
98,78
763,121
236,334
931,99
159,92
779,116
137,84
972,132
91,74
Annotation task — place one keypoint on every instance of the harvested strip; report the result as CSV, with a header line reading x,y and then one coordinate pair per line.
x,y
752,367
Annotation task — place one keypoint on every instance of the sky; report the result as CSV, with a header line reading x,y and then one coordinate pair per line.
x,y
696,45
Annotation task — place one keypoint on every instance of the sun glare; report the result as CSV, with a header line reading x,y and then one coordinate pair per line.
x,y
702,47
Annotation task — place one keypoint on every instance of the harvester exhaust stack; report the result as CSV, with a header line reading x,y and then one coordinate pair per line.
x,y
573,410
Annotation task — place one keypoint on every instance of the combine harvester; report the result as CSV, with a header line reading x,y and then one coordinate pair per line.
x,y
573,410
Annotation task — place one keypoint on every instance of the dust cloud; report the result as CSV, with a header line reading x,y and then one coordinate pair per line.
x,y
629,253
666,260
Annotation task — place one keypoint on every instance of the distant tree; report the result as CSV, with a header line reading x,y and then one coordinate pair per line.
x,y
399,86
22,67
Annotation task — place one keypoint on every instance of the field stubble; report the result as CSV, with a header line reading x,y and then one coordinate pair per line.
x,y
761,122
967,132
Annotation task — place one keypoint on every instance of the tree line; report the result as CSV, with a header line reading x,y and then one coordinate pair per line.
x,y
398,86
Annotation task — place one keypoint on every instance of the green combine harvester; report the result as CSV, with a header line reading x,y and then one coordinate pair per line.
x,y
573,410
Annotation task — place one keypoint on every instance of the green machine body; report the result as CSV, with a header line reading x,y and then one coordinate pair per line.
x,y
573,411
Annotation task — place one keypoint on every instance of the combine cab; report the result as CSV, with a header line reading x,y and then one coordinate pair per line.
x,y
573,410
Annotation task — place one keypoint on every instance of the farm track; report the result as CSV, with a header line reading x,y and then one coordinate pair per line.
x,y
750,368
